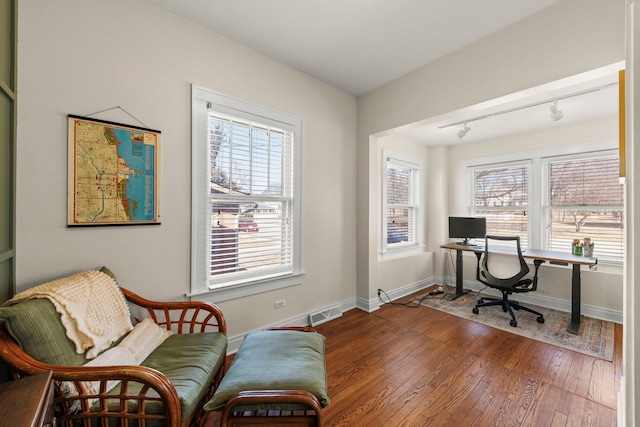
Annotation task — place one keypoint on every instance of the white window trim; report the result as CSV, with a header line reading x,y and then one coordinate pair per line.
x,y
200,99
401,250
536,159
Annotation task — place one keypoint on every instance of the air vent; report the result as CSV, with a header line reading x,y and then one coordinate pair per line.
x,y
325,315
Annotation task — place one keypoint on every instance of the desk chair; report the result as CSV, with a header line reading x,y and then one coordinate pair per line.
x,y
501,269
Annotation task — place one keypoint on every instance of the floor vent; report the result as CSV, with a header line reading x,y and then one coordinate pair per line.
x,y
325,315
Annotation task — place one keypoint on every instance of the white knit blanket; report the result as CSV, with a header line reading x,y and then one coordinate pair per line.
x,y
92,309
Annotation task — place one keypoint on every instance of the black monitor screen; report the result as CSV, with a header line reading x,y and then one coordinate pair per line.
x,y
467,228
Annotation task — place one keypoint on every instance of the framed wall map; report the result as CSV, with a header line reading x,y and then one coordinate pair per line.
x,y
113,173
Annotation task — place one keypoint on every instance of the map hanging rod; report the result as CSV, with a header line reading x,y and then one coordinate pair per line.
x,y
120,108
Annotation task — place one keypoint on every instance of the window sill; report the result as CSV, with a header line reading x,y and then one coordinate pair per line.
x,y
246,289
401,252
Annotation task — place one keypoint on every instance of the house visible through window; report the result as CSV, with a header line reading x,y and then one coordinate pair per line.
x,y
246,226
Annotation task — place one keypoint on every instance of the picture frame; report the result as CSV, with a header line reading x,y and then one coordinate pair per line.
x,y
113,173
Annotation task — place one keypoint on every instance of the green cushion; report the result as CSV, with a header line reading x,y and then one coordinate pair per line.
x,y
190,361
36,326
275,360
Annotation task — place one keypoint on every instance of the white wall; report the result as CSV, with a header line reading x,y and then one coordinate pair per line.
x,y
569,38
83,56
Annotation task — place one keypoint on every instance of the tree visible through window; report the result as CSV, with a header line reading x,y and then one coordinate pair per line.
x,y
501,195
574,196
251,194
586,200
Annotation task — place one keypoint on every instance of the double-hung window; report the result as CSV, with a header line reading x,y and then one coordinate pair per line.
x,y
401,199
551,197
246,197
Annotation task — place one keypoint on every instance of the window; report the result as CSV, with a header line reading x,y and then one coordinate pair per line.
x,y
585,199
402,213
246,197
551,197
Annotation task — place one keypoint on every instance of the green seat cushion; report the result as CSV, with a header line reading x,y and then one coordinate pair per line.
x,y
190,361
275,360
36,326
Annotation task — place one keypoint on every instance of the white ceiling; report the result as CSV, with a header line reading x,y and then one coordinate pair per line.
x,y
360,45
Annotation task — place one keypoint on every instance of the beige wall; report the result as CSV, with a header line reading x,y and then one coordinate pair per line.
x,y
83,56
572,37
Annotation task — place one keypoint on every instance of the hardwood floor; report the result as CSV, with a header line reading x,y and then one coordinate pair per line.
x,y
401,366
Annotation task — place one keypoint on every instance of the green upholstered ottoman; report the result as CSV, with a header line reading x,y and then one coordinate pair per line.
x,y
276,372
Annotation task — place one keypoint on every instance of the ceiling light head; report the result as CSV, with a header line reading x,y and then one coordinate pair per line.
x,y
462,132
555,113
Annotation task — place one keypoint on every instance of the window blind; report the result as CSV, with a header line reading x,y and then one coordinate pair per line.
x,y
586,199
402,202
251,200
501,195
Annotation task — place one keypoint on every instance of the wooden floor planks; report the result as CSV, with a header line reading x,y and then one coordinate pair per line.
x,y
401,366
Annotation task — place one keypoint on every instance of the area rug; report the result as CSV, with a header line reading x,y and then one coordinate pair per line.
x,y
594,338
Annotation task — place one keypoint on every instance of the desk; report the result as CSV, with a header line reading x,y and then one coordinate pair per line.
x,y
553,257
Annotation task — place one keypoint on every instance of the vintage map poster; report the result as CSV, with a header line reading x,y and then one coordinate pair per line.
x,y
113,173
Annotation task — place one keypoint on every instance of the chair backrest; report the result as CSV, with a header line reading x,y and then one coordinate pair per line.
x,y
503,264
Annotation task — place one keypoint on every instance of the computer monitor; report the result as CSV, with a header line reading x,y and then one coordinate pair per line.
x,y
467,228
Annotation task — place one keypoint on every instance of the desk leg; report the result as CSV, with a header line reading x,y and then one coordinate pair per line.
x,y
459,289
575,300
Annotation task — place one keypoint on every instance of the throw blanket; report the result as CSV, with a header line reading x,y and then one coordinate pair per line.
x,y
131,351
92,309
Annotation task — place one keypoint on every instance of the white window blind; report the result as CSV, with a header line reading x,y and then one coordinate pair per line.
x,y
251,174
401,200
585,199
501,195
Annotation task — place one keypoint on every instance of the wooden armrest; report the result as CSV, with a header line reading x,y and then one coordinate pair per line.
x,y
181,317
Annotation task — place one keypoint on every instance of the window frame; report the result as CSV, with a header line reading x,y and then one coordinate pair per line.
x,y
201,100
415,204
538,182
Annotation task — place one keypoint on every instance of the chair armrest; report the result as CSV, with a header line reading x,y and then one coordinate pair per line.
x,y
181,317
133,401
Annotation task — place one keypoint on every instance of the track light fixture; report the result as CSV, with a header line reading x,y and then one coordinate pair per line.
x,y
462,132
555,113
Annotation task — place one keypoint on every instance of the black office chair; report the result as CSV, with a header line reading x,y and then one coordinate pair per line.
x,y
502,270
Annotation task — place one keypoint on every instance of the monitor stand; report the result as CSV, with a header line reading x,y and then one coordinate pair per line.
x,y
465,242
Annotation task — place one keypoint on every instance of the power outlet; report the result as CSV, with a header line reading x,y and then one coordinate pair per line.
x,y
280,303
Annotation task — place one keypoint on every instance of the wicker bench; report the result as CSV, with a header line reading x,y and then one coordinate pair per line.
x,y
277,372
169,388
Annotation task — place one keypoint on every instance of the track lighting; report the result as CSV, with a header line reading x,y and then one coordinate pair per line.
x,y
555,113
462,132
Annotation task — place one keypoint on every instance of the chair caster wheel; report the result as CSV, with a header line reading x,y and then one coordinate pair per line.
x,y
513,323
540,319
475,310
